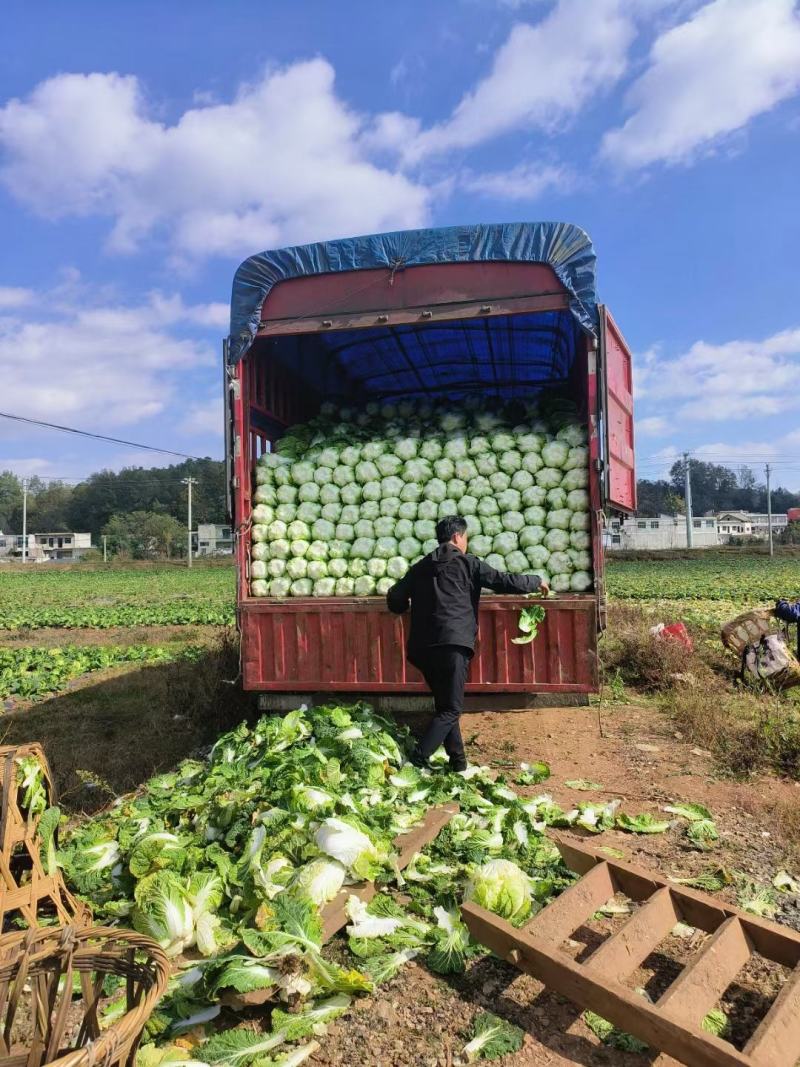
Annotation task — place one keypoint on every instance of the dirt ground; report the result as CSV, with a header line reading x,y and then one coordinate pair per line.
x,y
115,635
421,1020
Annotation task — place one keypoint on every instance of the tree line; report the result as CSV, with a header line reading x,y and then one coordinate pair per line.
x,y
141,510
714,488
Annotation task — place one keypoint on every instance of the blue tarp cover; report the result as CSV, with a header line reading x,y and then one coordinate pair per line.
x,y
564,247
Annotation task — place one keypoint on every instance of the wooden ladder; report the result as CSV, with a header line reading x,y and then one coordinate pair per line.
x,y
673,1023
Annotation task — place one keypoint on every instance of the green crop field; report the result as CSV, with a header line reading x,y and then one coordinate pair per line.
x,y
745,579
34,672
96,599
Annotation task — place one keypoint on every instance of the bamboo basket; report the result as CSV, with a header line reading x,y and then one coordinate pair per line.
x,y
747,629
45,1021
28,894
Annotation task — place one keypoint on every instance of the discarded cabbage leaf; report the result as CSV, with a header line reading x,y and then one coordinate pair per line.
x,y
645,823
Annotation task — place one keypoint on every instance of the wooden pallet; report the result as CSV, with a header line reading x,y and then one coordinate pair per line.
x,y
673,1023
334,915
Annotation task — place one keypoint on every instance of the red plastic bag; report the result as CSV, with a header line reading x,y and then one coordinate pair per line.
x,y
676,631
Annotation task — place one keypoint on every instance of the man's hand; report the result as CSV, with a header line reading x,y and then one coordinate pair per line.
x,y
544,589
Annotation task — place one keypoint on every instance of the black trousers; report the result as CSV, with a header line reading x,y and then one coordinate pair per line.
x,y
445,668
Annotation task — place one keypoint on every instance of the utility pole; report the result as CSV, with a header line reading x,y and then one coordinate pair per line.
x,y
105,549
190,482
24,520
688,500
769,512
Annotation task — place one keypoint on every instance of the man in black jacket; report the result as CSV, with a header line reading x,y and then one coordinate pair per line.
x,y
444,590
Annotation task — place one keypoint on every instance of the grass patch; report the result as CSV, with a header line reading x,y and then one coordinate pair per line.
x,y
104,739
747,729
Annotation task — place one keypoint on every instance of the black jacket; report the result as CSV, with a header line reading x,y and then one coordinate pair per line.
x,y
444,590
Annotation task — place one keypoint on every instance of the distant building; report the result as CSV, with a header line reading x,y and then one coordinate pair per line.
x,y
212,539
664,532
46,546
733,524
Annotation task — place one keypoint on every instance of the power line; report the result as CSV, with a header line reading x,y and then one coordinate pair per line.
x,y
95,436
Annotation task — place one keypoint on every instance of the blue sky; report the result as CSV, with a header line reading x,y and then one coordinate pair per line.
x,y
146,148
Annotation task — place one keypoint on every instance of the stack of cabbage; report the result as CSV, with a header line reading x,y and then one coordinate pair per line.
x,y
351,499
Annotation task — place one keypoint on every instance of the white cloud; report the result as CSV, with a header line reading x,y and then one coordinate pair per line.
x,y
526,181
748,453
205,419
724,382
655,426
708,77
27,466
283,161
100,366
13,297
541,76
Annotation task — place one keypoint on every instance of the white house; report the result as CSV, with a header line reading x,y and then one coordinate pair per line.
x,y
46,546
213,539
734,524
664,532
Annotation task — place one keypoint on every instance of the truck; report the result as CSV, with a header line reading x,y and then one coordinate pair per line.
x,y
501,310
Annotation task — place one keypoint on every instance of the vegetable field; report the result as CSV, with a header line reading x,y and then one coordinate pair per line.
x,y
745,579
32,672
163,596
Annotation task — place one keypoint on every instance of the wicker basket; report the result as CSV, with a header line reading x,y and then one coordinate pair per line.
x,y
45,1020
28,894
747,629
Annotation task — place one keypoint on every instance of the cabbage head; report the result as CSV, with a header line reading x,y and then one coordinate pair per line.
x,y
364,586
537,556
578,500
532,535
516,562
558,519
556,499
580,520
409,548
396,567
556,540
480,545
548,477
501,887
363,548
513,521
555,453
297,567
279,549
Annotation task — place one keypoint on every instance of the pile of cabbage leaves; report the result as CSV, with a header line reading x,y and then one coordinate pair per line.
x,y
228,861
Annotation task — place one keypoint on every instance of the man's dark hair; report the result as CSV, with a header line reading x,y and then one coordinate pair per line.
x,y
448,527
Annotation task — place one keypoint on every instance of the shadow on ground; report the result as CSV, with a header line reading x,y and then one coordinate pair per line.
x,y
105,738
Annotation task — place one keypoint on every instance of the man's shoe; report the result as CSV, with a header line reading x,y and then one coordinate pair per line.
x,y
418,760
458,766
